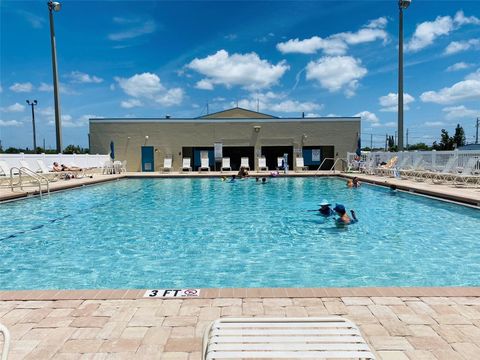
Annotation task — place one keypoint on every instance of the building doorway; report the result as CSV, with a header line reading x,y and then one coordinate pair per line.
x,y
271,153
235,153
148,164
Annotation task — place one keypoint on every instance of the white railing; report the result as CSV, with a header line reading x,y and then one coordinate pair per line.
x,y
433,160
80,160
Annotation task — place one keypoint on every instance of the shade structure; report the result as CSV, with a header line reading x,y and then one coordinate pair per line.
x,y
112,150
359,147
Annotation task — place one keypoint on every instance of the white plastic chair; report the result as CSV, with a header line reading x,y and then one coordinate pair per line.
x,y
262,163
107,167
204,165
186,164
468,173
299,164
167,164
330,337
6,341
4,168
244,163
280,163
226,164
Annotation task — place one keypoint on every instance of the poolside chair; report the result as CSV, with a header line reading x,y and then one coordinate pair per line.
x,y
226,164
186,164
167,164
470,173
280,164
299,164
384,169
107,167
4,168
244,163
6,342
409,171
204,165
329,337
447,173
262,164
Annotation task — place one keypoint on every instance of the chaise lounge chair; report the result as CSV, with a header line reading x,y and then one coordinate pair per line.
x,y
299,164
262,164
186,164
244,163
167,165
6,342
204,165
330,337
226,164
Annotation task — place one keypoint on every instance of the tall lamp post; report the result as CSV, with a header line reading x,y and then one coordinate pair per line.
x,y
402,4
33,104
55,6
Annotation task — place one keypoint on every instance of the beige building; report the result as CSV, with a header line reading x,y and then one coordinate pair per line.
x,y
233,133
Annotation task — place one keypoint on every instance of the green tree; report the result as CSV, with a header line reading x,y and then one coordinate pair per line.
x,y
459,137
74,149
446,142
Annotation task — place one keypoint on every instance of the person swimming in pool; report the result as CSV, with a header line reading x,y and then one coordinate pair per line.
x,y
325,209
344,219
264,180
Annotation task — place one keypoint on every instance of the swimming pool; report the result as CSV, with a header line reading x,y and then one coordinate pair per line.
x,y
153,233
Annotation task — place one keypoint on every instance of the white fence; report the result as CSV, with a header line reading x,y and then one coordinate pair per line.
x,y
80,160
434,160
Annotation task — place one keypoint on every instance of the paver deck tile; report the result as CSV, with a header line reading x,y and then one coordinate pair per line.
x,y
81,346
392,355
428,342
390,343
120,345
467,350
183,344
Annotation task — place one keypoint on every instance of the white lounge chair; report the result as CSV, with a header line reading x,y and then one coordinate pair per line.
x,y
470,173
167,164
26,165
4,168
330,337
300,164
6,342
226,164
447,173
244,163
186,164
204,165
262,164
107,167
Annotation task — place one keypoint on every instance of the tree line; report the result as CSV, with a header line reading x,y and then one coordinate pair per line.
x,y
70,149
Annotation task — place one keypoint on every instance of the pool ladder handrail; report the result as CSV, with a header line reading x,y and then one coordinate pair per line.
x,y
335,161
31,174
6,342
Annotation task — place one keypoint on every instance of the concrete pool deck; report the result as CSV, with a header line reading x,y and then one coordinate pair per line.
x,y
398,323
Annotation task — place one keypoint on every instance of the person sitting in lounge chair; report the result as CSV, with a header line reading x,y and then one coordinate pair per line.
x,y
57,168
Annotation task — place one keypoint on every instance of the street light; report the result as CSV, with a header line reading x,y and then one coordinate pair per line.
x,y
33,104
55,6
402,4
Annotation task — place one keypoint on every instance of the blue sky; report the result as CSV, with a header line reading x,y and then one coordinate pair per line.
x,y
150,59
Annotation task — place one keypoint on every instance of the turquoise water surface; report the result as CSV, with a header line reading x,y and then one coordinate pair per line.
x,y
171,233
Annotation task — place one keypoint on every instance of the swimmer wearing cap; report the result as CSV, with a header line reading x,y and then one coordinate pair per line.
x,y
325,209
344,219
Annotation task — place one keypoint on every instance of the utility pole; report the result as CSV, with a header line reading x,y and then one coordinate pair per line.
x,y
402,5
371,141
395,142
477,125
407,138
33,104
386,142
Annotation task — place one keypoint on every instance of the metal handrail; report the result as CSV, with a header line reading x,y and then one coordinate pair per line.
x,y
37,177
334,163
319,167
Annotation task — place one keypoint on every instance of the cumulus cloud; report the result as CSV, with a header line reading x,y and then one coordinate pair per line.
x,y
368,116
245,70
458,112
63,89
17,107
427,32
45,87
204,84
130,103
337,44
83,78
35,21
336,73
468,89
434,123
458,46
458,66
148,86
277,102
390,102
142,28
7,123
21,87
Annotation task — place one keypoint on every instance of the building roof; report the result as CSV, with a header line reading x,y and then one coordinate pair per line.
x,y
470,147
237,113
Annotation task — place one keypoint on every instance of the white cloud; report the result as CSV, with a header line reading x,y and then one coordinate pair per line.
x,y
45,87
143,28
427,32
312,115
390,124
34,20
7,123
434,123
368,116
458,66
1,89
468,89
458,112
148,86
337,44
458,46
14,108
130,103
389,102
21,87
204,84
83,78
245,70
336,73
231,37
63,89
277,102
82,121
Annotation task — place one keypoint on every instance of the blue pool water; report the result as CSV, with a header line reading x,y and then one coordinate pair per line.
x,y
155,233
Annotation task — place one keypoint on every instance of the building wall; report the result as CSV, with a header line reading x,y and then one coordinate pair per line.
x,y
169,136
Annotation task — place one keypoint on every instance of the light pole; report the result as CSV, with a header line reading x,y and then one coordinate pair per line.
x,y
402,4
55,6
33,104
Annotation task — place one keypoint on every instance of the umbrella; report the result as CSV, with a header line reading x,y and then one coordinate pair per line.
x,y
359,147
112,150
